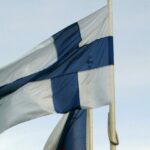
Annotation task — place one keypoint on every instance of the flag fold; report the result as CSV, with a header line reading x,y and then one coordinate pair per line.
x,y
71,135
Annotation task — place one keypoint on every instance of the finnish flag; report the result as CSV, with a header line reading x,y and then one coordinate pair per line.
x,y
71,132
71,70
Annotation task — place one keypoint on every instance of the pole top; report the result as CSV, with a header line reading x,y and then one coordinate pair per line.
x,y
109,2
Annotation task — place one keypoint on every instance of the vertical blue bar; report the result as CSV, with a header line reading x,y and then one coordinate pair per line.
x,y
67,40
65,93
74,133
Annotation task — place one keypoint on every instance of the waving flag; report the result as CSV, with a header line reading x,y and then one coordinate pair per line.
x,y
70,133
70,70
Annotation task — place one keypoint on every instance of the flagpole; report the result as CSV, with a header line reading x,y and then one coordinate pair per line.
x,y
111,117
89,129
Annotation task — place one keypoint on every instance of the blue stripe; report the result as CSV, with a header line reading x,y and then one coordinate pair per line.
x,y
67,40
65,93
97,54
74,133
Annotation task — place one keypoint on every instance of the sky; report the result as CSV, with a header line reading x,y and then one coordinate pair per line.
x,y
24,24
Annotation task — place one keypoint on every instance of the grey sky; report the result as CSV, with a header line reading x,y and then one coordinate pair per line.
x,y
24,24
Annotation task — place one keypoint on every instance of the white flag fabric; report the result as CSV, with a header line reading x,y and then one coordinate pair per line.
x,y
70,70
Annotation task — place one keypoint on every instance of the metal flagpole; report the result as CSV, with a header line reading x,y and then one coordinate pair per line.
x,y
111,116
89,136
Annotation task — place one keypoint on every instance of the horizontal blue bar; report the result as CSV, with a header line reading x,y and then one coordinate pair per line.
x,y
94,55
